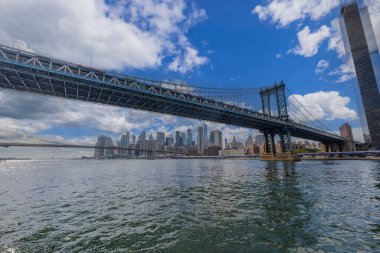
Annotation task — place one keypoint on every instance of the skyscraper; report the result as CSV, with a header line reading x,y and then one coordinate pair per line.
x,y
160,138
183,139
249,145
249,141
200,140
109,152
189,137
259,139
216,138
142,136
212,140
360,43
134,139
177,138
170,141
346,132
124,143
100,144
104,147
205,136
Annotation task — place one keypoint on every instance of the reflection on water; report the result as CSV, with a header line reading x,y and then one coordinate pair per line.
x,y
189,206
287,209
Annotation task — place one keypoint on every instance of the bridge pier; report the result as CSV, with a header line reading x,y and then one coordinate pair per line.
x,y
286,152
331,147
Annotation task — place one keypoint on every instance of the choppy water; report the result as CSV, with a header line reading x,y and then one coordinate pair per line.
x,y
189,206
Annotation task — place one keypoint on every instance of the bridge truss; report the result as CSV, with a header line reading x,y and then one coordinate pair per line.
x,y
23,71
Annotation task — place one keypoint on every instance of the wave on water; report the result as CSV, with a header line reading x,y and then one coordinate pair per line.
x,y
7,249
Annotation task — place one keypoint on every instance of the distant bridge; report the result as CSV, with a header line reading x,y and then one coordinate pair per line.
x,y
57,145
32,73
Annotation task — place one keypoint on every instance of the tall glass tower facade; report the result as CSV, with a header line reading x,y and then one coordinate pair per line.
x,y
361,47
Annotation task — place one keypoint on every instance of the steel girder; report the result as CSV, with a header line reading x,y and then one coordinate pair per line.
x,y
26,72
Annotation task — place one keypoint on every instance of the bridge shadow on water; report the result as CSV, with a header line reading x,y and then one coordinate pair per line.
x,y
287,209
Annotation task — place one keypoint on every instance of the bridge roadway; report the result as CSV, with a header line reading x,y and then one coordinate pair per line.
x,y
28,72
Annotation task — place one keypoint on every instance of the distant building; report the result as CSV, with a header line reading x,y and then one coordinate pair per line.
x,y
170,141
307,144
189,141
200,140
183,139
150,145
100,144
212,151
235,144
192,151
231,152
259,140
160,138
205,136
216,138
104,147
346,133
139,147
212,139
109,148
151,137
142,136
177,138
250,146
124,143
134,139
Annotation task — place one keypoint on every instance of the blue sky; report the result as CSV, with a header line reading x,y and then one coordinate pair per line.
x,y
206,43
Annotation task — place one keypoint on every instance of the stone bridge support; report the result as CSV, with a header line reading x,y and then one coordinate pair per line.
x,y
283,151
332,147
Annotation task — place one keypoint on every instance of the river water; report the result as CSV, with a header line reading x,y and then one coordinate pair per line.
x,y
189,206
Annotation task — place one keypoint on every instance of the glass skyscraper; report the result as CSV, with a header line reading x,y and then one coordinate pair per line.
x,y
360,44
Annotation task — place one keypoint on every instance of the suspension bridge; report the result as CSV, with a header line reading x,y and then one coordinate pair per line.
x,y
265,109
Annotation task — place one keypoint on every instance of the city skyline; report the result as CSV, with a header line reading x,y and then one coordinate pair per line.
x,y
67,121
207,142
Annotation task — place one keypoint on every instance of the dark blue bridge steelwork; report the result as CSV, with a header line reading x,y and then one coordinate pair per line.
x,y
28,72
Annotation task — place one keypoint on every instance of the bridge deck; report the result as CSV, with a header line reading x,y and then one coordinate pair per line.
x,y
27,72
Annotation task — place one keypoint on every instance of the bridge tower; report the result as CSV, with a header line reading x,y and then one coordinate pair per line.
x,y
273,102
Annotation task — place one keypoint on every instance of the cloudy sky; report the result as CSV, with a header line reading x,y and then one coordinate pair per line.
x,y
243,43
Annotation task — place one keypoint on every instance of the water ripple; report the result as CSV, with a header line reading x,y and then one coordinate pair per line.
x,y
189,206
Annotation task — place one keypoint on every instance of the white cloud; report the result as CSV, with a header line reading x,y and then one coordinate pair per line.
x,y
322,66
131,33
309,42
374,11
335,40
187,58
284,12
322,105
345,72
